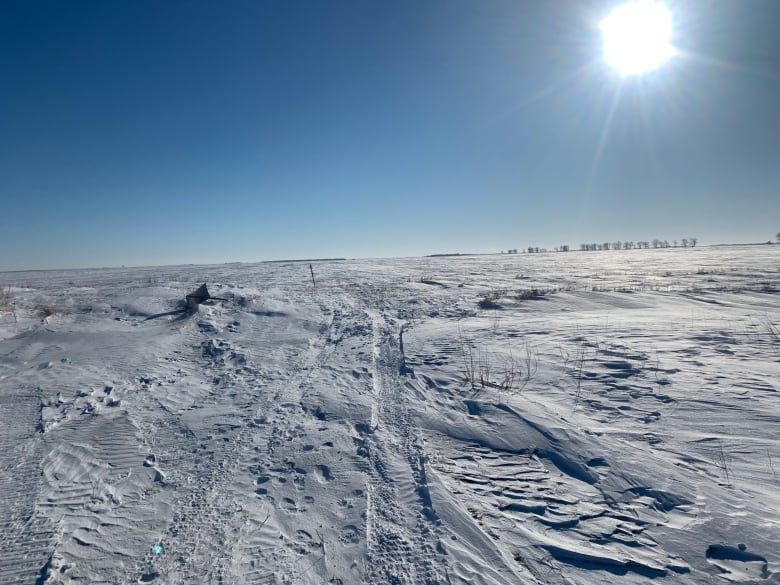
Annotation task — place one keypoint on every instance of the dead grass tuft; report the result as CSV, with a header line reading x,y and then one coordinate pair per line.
x,y
7,304
44,310
773,331
490,300
6,299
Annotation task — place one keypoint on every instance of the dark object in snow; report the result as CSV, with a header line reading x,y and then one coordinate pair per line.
x,y
201,295
197,297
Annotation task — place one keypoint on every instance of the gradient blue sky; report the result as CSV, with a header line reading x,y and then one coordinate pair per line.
x,y
155,132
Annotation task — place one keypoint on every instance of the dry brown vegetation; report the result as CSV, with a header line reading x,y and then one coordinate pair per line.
x,y
7,302
43,310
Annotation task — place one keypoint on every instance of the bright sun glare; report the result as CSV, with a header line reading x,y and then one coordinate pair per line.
x,y
637,37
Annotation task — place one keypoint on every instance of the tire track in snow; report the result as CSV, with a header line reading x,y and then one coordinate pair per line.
x,y
400,523
26,537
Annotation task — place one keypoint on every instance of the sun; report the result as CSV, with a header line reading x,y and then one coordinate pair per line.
x,y
637,37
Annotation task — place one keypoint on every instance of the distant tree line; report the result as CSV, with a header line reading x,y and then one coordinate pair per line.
x,y
536,250
618,245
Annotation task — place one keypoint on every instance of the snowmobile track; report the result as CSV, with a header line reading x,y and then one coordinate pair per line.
x,y
25,536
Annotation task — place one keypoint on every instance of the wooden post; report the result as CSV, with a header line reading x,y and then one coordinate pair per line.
x,y
312,276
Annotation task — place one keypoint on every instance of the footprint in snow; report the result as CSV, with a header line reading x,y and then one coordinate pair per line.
x,y
323,473
288,505
349,534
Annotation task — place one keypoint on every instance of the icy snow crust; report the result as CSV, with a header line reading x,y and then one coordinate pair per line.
x,y
621,424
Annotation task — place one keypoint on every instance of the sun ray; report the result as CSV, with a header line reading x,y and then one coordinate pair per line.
x,y
769,71
603,137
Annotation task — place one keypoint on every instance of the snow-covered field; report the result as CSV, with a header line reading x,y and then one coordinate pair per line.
x,y
621,424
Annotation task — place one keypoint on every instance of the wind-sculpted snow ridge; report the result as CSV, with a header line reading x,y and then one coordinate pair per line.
x,y
542,419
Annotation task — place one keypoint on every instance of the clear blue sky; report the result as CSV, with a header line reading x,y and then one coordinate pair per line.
x,y
154,132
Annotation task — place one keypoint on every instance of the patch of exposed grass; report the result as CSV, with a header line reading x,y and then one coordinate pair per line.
x,y
7,304
774,332
531,294
490,300
43,310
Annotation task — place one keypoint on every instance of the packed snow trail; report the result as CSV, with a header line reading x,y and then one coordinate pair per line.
x,y
401,524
